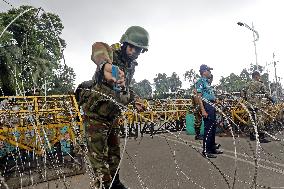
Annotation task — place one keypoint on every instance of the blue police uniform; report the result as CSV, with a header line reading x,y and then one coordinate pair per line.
x,y
203,87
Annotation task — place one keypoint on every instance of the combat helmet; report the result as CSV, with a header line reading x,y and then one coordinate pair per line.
x,y
136,36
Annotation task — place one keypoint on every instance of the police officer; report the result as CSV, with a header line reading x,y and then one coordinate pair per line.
x,y
100,112
206,98
255,91
197,112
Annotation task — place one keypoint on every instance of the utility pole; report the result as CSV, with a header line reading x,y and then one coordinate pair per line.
x,y
255,38
268,78
275,74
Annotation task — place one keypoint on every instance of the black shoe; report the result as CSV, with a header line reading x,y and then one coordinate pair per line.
x,y
264,140
198,137
117,184
217,146
252,137
217,152
208,155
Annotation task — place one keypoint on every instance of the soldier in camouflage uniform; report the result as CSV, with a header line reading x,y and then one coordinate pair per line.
x,y
255,91
100,116
197,115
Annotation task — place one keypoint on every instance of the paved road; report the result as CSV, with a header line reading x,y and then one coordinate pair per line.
x,y
173,161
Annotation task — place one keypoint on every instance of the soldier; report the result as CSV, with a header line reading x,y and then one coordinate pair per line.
x,y
81,88
255,91
197,114
197,120
206,97
100,112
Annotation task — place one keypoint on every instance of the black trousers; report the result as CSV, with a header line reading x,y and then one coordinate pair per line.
x,y
209,128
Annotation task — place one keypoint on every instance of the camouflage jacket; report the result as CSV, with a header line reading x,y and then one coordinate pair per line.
x,y
95,101
101,52
255,91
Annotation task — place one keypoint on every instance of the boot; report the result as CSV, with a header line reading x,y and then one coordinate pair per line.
x,y
208,155
117,184
262,138
252,136
217,146
197,135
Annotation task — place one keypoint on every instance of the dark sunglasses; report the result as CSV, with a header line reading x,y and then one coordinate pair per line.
x,y
137,49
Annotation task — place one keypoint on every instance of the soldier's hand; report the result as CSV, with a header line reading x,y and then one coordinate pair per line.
x,y
139,105
204,114
110,79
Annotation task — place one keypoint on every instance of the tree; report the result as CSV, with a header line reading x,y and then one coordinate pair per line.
x,y
245,75
31,50
236,83
232,83
191,76
63,80
253,68
8,71
143,88
161,85
174,82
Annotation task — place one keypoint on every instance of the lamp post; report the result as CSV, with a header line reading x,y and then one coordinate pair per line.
x,y
255,38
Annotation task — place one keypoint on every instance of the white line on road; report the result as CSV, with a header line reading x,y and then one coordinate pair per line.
x,y
233,157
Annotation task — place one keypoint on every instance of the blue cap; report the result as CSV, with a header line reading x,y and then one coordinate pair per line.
x,y
204,67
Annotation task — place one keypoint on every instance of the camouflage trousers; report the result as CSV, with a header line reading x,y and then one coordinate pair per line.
x,y
258,118
103,150
197,120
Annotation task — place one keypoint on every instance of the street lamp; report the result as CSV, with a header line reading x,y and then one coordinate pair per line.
x,y
255,38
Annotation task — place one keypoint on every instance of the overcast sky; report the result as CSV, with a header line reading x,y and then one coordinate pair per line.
x,y
183,33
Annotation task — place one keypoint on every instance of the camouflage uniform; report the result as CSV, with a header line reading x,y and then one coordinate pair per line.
x,y
100,113
197,115
255,91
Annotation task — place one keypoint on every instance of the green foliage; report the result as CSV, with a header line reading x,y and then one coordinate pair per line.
x,y
31,50
232,83
174,82
236,83
164,84
161,84
191,76
143,88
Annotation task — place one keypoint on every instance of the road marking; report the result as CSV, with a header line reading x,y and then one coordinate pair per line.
x,y
228,151
233,157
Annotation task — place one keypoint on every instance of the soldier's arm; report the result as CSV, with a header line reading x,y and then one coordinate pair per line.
x,y
102,56
248,90
136,100
266,92
101,53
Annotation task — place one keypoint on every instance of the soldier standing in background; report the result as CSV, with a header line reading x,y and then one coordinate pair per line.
x,y
255,91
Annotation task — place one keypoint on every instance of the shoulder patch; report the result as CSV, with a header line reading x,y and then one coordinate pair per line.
x,y
116,46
